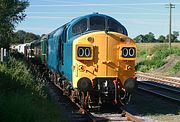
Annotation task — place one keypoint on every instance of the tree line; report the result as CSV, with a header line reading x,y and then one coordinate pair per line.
x,y
21,37
149,38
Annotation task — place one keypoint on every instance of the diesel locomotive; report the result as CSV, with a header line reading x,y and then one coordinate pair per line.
x,y
91,58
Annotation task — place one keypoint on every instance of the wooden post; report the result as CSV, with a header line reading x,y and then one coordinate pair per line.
x,y
170,6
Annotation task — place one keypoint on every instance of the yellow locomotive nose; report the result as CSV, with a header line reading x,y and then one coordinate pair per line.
x,y
103,55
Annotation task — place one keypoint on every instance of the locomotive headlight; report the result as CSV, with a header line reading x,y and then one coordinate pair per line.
x,y
128,52
84,52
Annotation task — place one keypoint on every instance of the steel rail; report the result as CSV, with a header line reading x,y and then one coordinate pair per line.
x,y
124,116
159,94
159,86
169,82
160,79
132,118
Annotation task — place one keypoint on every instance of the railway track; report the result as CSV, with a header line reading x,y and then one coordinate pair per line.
x,y
76,113
168,91
81,115
113,117
73,112
160,79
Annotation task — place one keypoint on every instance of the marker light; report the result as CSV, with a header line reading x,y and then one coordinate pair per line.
x,y
84,52
128,52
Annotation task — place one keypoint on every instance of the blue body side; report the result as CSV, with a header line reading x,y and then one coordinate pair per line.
x,y
53,58
66,69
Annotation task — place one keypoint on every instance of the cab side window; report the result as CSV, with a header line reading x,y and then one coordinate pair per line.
x,y
79,27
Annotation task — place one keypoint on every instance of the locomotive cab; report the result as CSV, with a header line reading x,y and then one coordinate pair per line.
x,y
103,59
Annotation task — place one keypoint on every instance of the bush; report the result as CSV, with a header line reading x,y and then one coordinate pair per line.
x,y
158,58
156,48
142,53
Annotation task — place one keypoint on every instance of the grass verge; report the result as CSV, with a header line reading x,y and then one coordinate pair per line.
x,y
175,68
22,97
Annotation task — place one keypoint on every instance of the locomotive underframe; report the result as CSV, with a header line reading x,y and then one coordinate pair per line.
x,y
102,90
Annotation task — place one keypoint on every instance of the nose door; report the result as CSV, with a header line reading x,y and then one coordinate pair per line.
x,y
106,55
112,55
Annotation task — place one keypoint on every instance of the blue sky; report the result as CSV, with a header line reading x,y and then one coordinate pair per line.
x,y
138,16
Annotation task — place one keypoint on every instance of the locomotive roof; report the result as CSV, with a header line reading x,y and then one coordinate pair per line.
x,y
81,17
75,20
89,15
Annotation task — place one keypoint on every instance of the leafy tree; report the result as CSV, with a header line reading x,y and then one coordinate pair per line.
x,y
176,34
161,38
21,37
31,36
139,39
11,13
149,37
173,38
145,38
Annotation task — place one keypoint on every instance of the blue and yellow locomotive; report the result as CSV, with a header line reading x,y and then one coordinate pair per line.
x,y
92,59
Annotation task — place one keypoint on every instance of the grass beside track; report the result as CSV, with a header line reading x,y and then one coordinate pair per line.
x,y
22,97
175,68
154,56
